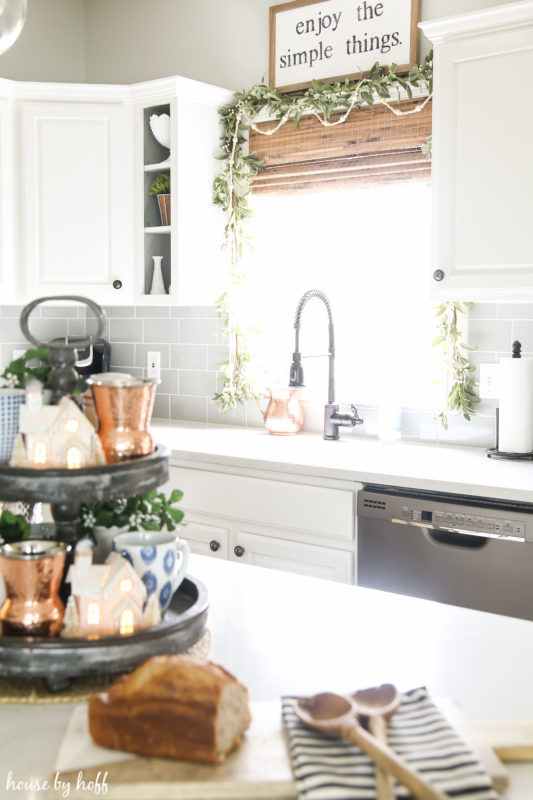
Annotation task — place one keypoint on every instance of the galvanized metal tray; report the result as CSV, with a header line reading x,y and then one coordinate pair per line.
x,y
59,660
68,486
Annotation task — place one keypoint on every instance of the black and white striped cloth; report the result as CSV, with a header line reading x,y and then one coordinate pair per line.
x,y
329,769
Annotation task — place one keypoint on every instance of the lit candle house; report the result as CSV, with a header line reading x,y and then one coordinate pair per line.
x,y
55,436
106,599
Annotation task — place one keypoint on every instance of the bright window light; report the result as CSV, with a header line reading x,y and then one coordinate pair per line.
x,y
368,250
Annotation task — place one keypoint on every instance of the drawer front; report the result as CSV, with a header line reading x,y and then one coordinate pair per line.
x,y
304,559
290,506
204,538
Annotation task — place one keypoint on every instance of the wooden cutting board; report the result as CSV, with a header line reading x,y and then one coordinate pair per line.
x,y
258,770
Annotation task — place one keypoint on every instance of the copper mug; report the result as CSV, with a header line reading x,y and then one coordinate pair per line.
x,y
124,409
32,570
282,411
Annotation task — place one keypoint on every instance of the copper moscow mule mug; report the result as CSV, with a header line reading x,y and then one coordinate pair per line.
x,y
124,408
32,571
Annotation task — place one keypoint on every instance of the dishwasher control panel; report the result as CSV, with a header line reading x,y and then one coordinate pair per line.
x,y
489,520
463,522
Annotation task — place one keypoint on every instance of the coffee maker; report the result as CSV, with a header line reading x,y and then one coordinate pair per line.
x,y
91,359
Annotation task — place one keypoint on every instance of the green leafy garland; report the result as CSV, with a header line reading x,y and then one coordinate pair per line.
x,y
233,184
460,385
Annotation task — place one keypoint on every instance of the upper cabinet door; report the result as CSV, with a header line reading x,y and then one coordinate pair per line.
x,y
76,203
483,155
9,219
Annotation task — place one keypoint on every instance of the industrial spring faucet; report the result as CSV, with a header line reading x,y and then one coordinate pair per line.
x,y
333,419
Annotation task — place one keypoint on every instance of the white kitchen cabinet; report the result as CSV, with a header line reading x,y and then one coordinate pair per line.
x,y
291,525
76,216
305,559
9,272
482,169
193,262
76,185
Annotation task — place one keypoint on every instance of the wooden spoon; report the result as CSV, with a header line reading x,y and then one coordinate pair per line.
x,y
378,704
334,715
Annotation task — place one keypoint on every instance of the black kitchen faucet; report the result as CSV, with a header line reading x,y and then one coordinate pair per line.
x,y
333,419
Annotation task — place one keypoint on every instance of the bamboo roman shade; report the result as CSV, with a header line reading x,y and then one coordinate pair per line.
x,y
372,146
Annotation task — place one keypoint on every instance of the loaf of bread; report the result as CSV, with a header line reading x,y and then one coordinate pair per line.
x,y
172,707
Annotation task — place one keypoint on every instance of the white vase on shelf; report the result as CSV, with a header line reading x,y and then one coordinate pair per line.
x,y
158,285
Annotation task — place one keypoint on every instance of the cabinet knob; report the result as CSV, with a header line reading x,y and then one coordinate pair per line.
x,y
438,275
214,545
238,550
117,284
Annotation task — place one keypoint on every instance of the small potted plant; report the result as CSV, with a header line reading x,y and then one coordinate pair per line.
x,y
104,519
160,187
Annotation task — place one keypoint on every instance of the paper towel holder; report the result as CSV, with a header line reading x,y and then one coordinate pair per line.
x,y
495,453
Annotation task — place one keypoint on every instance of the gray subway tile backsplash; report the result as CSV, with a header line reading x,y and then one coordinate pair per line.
x,y
197,382
161,330
126,330
198,331
123,354
189,408
188,356
190,341
490,334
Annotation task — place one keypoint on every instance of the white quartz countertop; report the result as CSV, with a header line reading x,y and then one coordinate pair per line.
x,y
281,633
443,468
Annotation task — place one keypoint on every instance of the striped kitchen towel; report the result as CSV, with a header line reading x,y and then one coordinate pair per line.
x,y
329,769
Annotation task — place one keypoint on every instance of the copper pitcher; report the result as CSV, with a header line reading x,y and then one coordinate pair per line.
x,y
282,411
32,571
124,408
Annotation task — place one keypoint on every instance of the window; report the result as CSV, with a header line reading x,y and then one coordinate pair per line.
x,y
363,239
74,458
93,614
39,453
126,625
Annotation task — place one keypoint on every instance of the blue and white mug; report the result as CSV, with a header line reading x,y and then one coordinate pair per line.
x,y
158,557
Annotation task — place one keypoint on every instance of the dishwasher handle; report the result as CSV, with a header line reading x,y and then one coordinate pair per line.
x,y
452,539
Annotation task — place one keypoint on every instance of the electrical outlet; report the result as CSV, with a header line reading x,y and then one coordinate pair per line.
x,y
153,365
489,387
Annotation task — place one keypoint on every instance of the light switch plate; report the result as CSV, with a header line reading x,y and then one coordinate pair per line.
x,y
489,381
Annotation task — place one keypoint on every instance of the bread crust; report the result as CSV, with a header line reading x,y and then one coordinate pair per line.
x,y
172,707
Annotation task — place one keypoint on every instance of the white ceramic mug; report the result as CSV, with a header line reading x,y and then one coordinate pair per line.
x,y
158,557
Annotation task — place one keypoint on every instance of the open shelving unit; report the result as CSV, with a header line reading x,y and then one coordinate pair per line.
x,y
157,237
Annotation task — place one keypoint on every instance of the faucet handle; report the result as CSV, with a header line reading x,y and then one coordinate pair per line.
x,y
355,418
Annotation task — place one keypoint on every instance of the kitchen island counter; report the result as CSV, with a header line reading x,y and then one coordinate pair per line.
x,y
444,468
281,633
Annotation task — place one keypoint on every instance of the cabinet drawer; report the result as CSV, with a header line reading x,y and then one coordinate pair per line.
x,y
304,559
204,538
292,506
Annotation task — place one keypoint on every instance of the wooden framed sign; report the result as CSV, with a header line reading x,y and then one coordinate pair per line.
x,y
332,40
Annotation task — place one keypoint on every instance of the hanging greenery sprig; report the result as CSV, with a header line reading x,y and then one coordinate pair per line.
x,y
460,386
233,183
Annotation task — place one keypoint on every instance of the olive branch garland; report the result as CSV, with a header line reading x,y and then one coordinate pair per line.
x,y
460,394
233,183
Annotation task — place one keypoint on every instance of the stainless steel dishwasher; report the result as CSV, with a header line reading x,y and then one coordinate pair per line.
x,y
467,551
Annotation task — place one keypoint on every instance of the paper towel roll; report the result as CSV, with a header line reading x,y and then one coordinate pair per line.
x,y
516,405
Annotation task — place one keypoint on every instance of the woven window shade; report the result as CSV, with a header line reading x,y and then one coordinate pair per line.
x,y
372,146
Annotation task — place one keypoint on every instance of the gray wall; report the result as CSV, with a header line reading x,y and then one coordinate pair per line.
x,y
223,42
51,46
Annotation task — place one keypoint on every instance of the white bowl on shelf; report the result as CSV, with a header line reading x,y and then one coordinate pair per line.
x,y
160,126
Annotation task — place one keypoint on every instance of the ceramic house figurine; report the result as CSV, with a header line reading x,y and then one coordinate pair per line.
x,y
54,436
106,599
